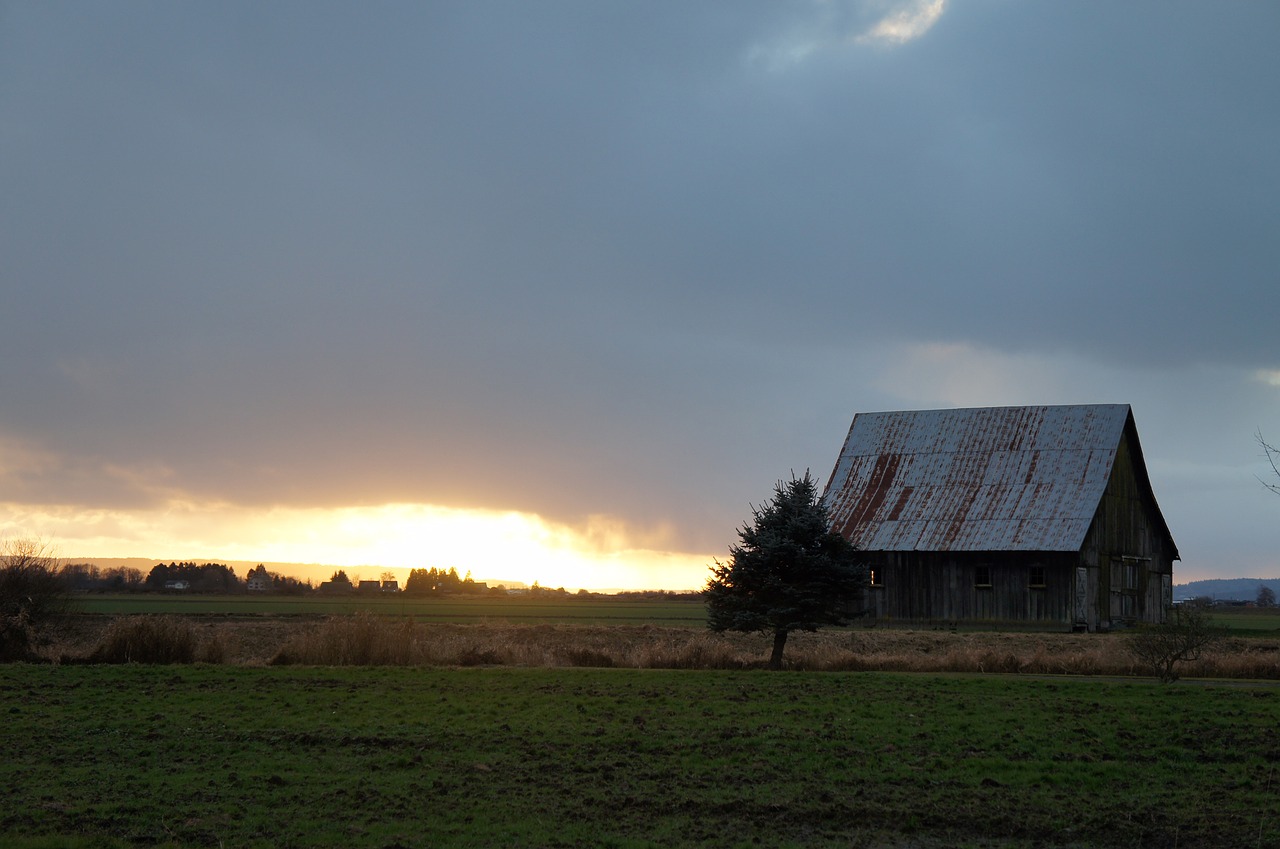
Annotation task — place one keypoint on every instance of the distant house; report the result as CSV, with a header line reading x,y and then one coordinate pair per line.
x,y
390,586
369,586
339,583
1033,516
258,580
177,586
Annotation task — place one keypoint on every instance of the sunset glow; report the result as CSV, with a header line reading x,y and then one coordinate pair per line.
x,y
492,545
557,293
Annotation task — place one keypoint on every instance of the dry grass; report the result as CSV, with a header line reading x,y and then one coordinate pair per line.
x,y
366,639
147,639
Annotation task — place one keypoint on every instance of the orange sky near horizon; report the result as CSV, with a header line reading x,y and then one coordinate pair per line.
x,y
503,545
552,296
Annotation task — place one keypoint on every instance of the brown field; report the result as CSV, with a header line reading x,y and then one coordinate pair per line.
x,y
365,639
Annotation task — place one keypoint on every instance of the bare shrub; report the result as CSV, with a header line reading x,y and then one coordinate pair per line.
x,y
1181,638
31,590
17,637
147,639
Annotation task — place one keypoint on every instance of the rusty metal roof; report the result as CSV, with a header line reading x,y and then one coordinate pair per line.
x,y
984,479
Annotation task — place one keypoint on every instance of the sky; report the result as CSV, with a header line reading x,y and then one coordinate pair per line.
x,y
556,291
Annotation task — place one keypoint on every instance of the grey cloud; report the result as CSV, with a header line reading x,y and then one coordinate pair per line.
x,y
576,258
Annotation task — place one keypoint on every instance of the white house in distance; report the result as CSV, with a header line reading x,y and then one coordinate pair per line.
x,y
257,580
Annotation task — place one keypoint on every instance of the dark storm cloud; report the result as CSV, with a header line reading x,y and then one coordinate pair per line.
x,y
574,257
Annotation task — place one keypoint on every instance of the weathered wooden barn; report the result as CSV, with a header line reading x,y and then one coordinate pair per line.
x,y
1030,516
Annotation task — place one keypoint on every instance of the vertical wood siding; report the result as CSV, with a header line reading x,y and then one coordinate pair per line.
x,y
1126,548
940,588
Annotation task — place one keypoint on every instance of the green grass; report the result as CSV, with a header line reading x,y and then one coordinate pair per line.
x,y
598,610
1253,622
592,610
363,757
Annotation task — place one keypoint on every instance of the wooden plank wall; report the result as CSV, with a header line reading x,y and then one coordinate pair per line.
x,y
1127,548
937,588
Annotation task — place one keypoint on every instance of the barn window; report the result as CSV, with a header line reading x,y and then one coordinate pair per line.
x,y
877,579
1036,577
982,576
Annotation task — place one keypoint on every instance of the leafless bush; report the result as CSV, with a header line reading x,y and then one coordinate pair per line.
x,y
31,590
147,639
17,639
1183,636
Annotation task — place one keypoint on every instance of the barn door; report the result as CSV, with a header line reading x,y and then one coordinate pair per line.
x,y
1082,596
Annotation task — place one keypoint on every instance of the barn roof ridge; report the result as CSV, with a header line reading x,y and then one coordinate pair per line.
x,y
997,407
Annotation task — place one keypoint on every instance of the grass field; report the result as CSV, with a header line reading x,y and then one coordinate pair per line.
x,y
298,757
458,608
590,610
1263,622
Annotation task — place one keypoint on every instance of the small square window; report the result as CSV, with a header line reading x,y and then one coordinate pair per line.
x,y
982,576
1036,578
876,578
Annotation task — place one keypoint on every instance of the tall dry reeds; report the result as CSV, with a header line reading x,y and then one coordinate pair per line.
x,y
359,640
367,639
147,639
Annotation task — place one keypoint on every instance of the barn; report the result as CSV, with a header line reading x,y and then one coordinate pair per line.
x,y
1018,516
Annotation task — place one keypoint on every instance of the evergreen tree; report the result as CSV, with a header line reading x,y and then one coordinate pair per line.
x,y
418,582
789,571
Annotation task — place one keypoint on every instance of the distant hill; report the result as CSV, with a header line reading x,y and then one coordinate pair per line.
x,y
1226,589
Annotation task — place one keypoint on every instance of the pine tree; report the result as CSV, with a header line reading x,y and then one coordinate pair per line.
x,y
789,571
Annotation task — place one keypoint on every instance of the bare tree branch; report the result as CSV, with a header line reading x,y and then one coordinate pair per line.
x,y
1273,457
1182,637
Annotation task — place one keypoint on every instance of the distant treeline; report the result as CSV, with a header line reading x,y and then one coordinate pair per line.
x,y
87,576
175,577
661,595
221,579
434,581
